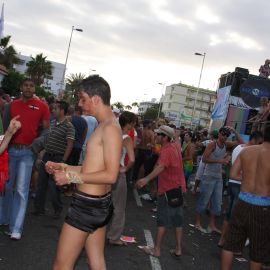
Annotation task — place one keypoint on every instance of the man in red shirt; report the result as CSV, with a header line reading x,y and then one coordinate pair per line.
x,y
33,114
171,176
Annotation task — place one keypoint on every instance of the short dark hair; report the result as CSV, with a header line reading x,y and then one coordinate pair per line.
x,y
126,118
266,134
63,105
78,109
27,80
256,135
95,85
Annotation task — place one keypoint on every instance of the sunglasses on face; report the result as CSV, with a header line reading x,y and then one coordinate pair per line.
x,y
161,134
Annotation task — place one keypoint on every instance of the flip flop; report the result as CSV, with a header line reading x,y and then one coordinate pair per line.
x,y
174,255
215,230
148,250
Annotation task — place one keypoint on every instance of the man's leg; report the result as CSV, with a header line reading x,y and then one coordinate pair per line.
x,y
94,247
159,236
69,247
21,191
226,259
255,265
178,245
119,198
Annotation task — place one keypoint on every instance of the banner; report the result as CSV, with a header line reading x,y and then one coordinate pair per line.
x,y
222,103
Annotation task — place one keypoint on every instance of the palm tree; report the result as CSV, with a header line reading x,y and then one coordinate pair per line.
x,y
8,55
135,104
74,80
38,68
118,105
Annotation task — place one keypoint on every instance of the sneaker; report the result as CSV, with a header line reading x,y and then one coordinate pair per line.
x,y
15,236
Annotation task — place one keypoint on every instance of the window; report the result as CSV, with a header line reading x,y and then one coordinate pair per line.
x,y
171,96
169,105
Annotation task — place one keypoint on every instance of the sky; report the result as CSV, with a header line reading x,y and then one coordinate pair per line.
x,y
142,46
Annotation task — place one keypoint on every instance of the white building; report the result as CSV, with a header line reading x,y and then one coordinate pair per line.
x,y
178,104
53,82
144,105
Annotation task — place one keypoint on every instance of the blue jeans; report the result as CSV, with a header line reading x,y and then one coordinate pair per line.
x,y
211,191
14,202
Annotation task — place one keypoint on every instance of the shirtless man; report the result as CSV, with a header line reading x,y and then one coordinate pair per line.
x,y
91,207
251,216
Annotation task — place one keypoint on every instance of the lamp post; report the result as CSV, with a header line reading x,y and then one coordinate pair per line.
x,y
196,97
65,67
159,108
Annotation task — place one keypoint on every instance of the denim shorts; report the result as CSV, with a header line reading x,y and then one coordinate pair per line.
x,y
211,191
167,216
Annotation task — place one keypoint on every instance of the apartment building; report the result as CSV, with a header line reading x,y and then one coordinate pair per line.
x,y
178,104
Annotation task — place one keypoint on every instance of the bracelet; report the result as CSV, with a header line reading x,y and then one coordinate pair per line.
x,y
73,177
64,167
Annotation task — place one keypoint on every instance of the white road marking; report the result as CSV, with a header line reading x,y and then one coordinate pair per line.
x,y
149,240
137,198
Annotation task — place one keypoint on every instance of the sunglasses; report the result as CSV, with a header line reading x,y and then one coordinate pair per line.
x,y
225,134
161,134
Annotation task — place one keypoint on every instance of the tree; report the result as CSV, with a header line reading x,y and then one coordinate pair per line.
x,y
11,83
38,68
135,104
128,107
8,55
152,112
73,81
118,105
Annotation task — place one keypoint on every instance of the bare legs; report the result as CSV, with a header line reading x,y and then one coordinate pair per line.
x,y
159,236
72,241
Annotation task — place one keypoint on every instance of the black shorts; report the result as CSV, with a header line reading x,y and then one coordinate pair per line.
x,y
88,212
250,221
167,216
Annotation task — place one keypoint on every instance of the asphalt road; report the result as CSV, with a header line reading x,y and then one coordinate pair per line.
x,y
36,249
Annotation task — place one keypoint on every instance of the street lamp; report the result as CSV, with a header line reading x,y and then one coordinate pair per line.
x,y
196,97
159,108
65,67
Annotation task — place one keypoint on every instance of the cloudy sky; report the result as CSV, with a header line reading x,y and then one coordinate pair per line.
x,y
137,44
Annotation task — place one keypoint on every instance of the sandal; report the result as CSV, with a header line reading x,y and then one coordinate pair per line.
x,y
174,255
148,250
117,243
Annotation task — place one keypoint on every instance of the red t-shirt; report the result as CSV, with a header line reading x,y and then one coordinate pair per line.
x,y
173,175
32,113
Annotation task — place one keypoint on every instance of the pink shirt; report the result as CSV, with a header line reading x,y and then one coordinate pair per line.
x,y
173,175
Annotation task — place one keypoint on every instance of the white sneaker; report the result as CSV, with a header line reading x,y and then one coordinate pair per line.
x,y
15,236
247,242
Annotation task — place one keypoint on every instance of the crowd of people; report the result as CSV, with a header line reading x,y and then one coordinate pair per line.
x,y
92,152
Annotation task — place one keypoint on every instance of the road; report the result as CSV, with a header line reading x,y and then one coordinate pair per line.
x,y
36,249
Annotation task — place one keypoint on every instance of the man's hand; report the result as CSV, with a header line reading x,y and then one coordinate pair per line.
x,y
60,178
141,183
14,125
224,161
51,167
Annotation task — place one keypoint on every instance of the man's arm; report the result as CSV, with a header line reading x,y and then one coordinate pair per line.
x,y
14,125
157,170
206,155
112,144
238,139
128,144
236,170
68,150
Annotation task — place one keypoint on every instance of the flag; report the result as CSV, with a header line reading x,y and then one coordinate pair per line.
x,y
2,22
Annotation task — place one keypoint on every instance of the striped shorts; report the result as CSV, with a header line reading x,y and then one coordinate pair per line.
x,y
250,221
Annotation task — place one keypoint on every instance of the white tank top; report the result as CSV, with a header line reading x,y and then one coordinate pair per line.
x,y
124,152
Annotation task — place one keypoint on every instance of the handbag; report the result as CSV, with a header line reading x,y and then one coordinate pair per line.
x,y
174,197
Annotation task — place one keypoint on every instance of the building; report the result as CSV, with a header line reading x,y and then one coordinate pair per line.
x,y
53,82
178,104
144,105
